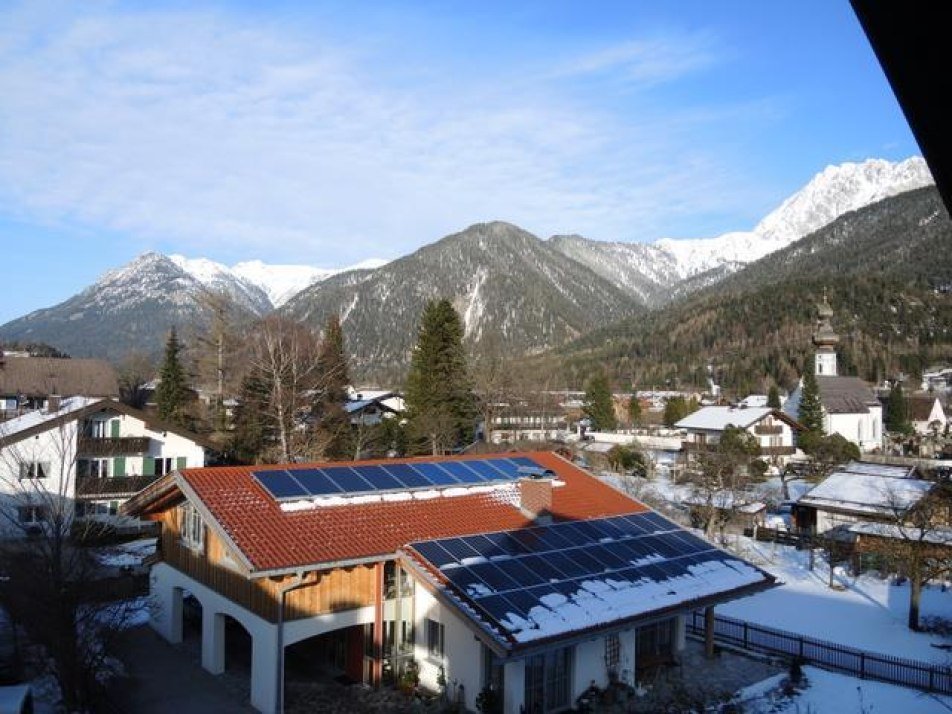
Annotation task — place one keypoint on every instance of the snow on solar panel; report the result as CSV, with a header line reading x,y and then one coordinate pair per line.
x,y
345,480
540,581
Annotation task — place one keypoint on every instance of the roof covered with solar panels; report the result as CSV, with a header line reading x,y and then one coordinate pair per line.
x,y
525,586
332,514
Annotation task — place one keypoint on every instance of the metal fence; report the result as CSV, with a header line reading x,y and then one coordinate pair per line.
x,y
868,665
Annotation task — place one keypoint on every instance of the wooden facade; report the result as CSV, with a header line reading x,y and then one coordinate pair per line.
x,y
213,564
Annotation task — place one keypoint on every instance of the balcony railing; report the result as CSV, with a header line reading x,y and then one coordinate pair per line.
x,y
764,429
90,487
693,446
113,446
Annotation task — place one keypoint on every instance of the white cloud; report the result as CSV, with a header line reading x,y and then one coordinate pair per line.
x,y
201,133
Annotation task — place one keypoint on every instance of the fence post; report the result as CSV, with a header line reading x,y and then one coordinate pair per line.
x,y
745,635
931,678
862,665
800,638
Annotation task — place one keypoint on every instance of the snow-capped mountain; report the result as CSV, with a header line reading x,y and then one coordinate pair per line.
x,y
831,193
278,282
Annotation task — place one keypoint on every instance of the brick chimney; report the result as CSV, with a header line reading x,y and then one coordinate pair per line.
x,y
535,497
53,403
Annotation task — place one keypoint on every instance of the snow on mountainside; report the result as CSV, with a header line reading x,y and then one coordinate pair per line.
x,y
278,282
831,193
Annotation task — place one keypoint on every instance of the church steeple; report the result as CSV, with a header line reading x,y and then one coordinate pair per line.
x,y
825,340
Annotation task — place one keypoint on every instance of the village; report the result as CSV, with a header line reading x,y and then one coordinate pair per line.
x,y
552,550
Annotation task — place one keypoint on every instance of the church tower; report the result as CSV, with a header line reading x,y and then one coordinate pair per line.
x,y
825,340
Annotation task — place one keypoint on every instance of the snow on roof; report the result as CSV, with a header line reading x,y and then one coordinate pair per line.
x,y
867,493
938,535
890,470
39,417
719,418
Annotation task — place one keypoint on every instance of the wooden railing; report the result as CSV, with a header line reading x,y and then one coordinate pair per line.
x,y
113,446
90,487
764,429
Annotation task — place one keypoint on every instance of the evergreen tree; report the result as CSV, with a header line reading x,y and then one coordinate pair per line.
x,y
172,393
334,375
810,413
598,404
676,408
773,397
251,433
439,399
634,410
897,411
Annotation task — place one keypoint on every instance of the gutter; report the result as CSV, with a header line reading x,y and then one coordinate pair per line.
x,y
297,582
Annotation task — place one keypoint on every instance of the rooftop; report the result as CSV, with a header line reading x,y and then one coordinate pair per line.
x,y
846,395
866,493
273,536
719,418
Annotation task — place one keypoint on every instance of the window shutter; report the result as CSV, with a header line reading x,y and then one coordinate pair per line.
x,y
119,466
148,466
181,462
114,428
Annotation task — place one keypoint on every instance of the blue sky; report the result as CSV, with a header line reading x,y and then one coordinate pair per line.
x,y
328,133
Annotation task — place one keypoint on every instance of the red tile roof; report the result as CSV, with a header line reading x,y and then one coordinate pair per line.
x,y
273,539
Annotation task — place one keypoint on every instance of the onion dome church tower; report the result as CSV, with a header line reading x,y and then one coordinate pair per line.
x,y
825,340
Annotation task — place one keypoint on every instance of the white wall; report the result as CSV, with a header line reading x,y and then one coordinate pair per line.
x,y
864,430
463,653
56,448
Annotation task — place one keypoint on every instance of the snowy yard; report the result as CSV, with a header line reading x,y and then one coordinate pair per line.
x,y
869,613
125,555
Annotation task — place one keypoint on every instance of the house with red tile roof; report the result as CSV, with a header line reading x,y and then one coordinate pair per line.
x,y
516,572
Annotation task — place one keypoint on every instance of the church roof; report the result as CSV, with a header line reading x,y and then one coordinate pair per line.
x,y
846,395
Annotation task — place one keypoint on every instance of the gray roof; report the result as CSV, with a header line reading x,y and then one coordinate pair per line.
x,y
846,395
865,493
42,376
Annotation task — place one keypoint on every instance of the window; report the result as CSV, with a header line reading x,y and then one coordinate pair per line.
x,y
31,514
548,680
612,652
193,530
163,466
434,638
34,469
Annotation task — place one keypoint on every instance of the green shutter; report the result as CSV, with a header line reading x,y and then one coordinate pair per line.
x,y
114,426
148,466
119,466
181,462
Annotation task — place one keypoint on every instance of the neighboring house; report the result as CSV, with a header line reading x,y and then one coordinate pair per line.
x,y
926,414
850,406
27,382
85,456
773,429
845,498
519,572
369,408
938,378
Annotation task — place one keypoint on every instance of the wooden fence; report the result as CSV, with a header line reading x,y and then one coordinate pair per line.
x,y
868,665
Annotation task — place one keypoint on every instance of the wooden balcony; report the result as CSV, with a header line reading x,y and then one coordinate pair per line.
x,y
113,446
91,488
767,430
695,447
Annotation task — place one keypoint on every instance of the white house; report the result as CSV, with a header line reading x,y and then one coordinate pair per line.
x,y
519,573
926,414
86,456
773,429
850,406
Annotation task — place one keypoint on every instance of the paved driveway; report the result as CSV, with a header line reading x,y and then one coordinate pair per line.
x,y
165,678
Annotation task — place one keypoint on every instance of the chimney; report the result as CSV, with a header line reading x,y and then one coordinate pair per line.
x,y
53,403
535,494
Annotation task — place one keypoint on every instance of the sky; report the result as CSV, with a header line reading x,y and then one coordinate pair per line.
x,y
328,133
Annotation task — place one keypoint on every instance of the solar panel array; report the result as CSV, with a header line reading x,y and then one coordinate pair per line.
x,y
509,573
296,483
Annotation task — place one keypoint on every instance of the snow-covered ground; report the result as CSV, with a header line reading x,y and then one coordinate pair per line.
x,y
129,554
828,692
865,612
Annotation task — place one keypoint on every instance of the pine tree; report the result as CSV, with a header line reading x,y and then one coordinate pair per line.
x,y
598,404
897,411
810,413
439,399
334,374
773,397
634,410
171,394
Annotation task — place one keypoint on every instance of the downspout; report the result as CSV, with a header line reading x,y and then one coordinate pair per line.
x,y
296,582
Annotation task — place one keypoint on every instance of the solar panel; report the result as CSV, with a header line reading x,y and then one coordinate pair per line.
x,y
317,483
462,472
410,477
487,469
279,484
436,475
510,574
